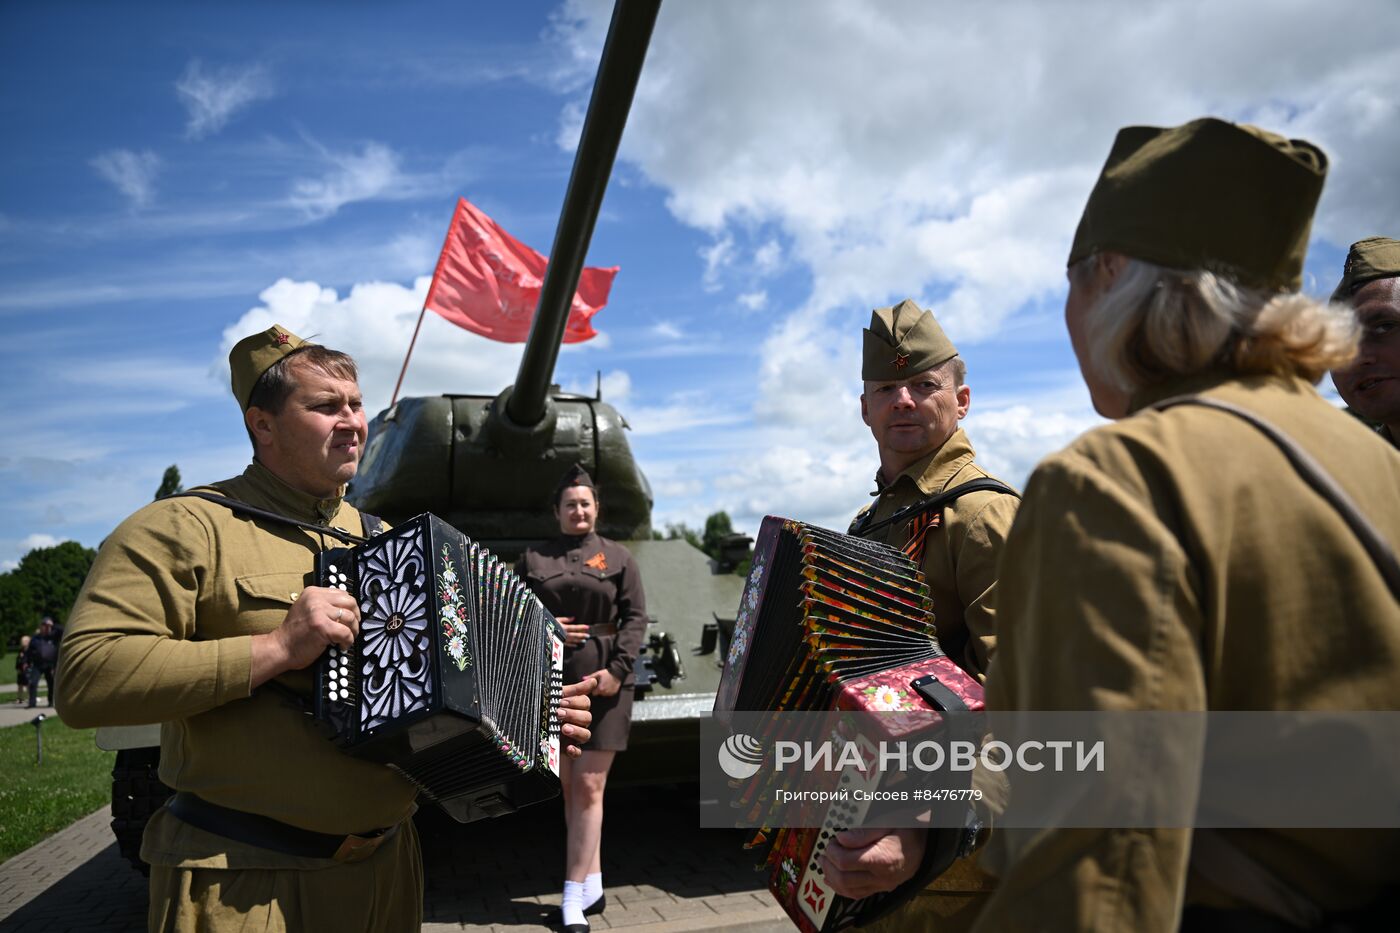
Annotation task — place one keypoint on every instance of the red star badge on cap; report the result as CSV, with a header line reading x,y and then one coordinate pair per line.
x,y
282,339
901,360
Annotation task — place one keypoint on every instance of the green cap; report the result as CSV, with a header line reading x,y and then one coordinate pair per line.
x,y
253,356
1376,257
1231,199
902,340
576,475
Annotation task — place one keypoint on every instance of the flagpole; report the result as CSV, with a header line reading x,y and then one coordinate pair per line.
x,y
398,385
437,271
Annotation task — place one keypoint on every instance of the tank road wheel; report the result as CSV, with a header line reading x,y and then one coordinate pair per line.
x,y
137,792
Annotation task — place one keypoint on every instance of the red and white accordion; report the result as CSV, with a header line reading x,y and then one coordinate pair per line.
x,y
834,622
456,676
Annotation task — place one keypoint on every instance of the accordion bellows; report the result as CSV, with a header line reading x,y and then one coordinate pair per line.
x,y
456,675
833,622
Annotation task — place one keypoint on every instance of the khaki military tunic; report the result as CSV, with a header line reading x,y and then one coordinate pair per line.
x,y
960,556
960,564
1176,561
161,632
594,581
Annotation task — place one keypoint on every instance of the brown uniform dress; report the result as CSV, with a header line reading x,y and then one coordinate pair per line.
x,y
1176,561
960,565
161,632
594,581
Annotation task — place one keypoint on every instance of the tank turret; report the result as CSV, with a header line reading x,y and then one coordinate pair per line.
x,y
487,464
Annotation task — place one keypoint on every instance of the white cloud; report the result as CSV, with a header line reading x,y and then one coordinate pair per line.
x,y
351,176
682,411
666,330
617,386
958,181
754,301
718,255
211,98
373,323
768,257
36,541
131,173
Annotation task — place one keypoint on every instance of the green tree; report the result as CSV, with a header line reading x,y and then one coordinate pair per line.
x,y
54,575
19,611
717,527
170,482
681,531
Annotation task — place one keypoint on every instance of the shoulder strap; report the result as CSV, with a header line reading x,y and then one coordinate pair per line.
x,y
244,508
981,484
373,524
1318,478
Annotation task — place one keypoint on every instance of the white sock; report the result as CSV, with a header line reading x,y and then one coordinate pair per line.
x,y
573,903
592,888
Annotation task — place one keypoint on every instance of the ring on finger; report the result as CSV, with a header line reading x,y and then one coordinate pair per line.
x,y
338,614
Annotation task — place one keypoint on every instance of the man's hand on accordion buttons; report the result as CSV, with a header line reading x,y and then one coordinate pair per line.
x,y
319,617
575,634
862,862
608,684
577,716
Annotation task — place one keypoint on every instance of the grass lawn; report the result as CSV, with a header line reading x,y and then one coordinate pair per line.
x,y
37,800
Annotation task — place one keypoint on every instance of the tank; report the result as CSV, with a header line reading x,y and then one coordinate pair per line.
x,y
489,464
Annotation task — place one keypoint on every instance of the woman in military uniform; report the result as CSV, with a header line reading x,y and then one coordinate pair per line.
x,y
1176,559
594,589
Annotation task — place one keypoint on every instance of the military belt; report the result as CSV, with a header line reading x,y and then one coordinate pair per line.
x,y
267,833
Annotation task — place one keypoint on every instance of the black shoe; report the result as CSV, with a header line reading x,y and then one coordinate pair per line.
x,y
575,928
597,907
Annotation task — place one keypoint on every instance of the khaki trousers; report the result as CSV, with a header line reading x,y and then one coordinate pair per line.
x,y
382,894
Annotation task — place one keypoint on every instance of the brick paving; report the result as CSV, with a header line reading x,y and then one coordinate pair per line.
x,y
662,874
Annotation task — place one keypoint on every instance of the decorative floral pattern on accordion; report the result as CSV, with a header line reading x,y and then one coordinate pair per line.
x,y
887,697
453,613
395,662
748,608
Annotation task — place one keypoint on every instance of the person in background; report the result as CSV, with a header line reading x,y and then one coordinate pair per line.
x,y
593,587
22,670
1370,384
42,660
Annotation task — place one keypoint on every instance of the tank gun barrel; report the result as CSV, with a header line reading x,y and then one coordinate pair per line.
x,y
618,71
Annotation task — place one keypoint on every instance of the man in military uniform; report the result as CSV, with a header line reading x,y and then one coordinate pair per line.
x,y
914,396
189,609
1371,383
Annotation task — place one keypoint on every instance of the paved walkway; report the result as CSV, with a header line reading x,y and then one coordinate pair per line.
x,y
663,875
14,714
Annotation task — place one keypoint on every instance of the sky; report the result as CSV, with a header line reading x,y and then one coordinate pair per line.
x,y
177,176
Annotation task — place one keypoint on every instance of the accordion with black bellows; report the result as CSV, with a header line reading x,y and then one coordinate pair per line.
x,y
834,622
456,676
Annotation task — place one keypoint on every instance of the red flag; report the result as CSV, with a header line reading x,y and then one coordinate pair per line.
x,y
489,282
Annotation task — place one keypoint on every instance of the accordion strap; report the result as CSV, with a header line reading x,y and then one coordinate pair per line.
x,y
371,523
933,503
